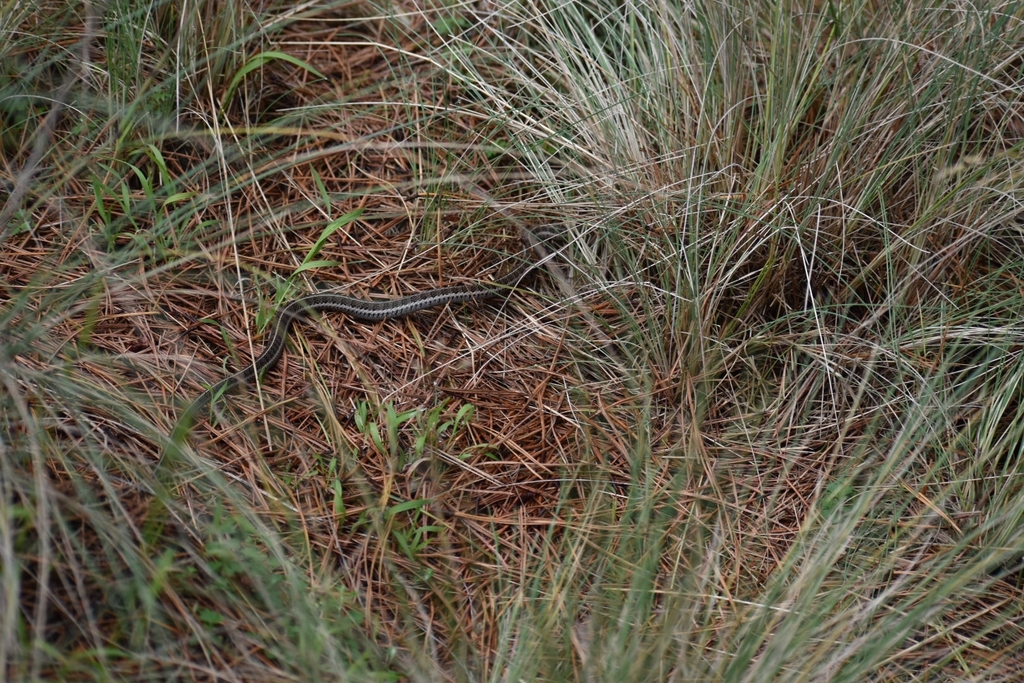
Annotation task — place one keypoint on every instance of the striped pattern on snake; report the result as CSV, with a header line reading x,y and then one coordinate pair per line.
x,y
360,309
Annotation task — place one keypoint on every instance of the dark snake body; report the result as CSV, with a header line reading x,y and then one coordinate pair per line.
x,y
369,311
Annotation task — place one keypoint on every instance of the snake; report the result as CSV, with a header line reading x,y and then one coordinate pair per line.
x,y
358,309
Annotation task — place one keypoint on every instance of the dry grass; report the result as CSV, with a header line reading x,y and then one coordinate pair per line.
x,y
759,421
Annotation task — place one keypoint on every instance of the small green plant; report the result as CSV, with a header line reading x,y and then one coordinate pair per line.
x,y
415,534
258,62
430,428
286,290
409,522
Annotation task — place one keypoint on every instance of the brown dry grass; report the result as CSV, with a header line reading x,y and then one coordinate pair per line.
x,y
157,337
734,425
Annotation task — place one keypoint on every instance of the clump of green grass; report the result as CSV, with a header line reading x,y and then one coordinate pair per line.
x,y
764,426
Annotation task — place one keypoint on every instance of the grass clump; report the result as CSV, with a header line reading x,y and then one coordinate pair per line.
x,y
758,420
